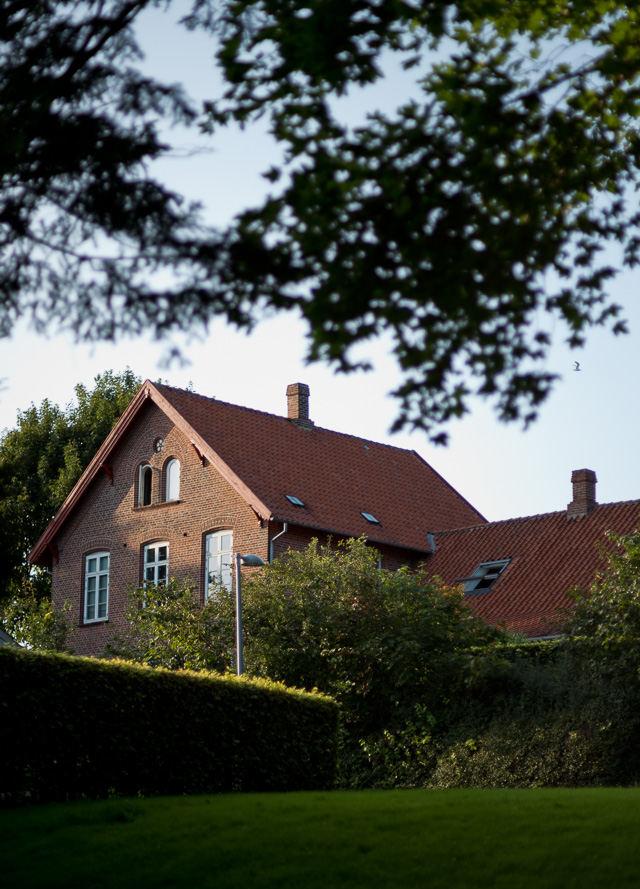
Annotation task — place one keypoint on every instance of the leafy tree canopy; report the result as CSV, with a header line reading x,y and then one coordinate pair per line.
x,y
604,624
380,642
463,225
41,460
167,626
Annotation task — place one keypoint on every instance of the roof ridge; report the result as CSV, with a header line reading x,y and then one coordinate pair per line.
x,y
528,518
254,410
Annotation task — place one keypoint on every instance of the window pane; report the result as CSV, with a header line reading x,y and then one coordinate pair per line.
x,y
151,554
150,575
91,566
173,480
145,486
91,611
102,608
162,573
213,544
225,541
104,563
162,553
91,584
214,563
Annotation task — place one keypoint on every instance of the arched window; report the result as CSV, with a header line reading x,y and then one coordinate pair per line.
x,y
219,562
144,485
156,563
172,475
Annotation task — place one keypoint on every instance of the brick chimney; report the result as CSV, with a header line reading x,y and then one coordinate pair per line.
x,y
584,492
298,405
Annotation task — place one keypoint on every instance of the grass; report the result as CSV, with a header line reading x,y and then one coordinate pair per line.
x,y
447,838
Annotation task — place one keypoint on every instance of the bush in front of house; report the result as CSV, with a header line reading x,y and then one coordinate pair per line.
x,y
551,724
75,727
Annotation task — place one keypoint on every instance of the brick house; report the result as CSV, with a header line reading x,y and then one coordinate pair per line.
x,y
183,481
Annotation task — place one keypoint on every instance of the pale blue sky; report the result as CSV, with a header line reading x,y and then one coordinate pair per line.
x,y
591,420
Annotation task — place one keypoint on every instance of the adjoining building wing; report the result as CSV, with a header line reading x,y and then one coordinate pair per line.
x,y
518,571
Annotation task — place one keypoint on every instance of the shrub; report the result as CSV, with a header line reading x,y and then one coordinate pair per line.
x,y
550,725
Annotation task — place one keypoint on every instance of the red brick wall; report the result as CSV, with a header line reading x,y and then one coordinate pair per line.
x,y
298,538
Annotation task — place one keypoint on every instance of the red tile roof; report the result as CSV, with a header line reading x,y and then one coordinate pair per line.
x,y
265,457
337,476
549,554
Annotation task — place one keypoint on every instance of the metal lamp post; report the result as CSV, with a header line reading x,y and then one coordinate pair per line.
x,y
251,562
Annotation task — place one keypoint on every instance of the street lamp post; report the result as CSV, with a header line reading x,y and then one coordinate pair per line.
x,y
251,562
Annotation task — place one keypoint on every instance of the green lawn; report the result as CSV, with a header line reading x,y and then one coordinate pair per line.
x,y
442,838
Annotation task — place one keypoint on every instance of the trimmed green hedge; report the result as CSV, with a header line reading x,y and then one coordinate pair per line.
x,y
73,727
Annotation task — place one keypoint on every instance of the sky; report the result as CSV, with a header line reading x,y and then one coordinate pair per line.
x,y
591,420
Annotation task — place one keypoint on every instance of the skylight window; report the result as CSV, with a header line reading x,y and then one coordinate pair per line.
x,y
484,576
295,500
370,518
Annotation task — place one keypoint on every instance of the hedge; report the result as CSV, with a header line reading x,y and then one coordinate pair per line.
x,y
75,727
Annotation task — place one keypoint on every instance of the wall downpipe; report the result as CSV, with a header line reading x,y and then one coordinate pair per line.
x,y
285,528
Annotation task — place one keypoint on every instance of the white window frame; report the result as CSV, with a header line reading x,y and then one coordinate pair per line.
x,y
172,480
219,561
141,475
496,568
96,586
155,563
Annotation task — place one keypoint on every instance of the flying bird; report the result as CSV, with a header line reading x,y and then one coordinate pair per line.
x,y
576,365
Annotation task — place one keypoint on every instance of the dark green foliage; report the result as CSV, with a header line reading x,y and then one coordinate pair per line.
x,y
452,221
75,727
174,630
549,725
603,626
377,641
33,622
83,226
40,462
481,202
569,711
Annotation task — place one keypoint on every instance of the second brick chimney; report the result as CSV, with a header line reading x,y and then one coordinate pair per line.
x,y
584,493
298,404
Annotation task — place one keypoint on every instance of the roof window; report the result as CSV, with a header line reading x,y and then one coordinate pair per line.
x,y
370,518
484,576
295,500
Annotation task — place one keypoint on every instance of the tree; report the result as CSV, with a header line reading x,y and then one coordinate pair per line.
x,y
603,626
480,206
168,627
380,642
455,222
84,229
41,460
33,622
